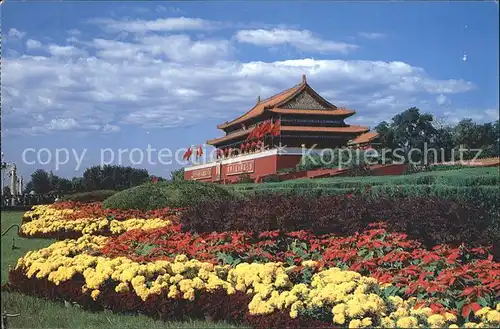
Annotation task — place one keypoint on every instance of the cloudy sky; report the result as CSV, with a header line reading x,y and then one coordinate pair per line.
x,y
128,75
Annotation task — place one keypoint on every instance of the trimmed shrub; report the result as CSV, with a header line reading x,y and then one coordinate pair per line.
x,y
271,178
244,179
171,194
429,220
93,196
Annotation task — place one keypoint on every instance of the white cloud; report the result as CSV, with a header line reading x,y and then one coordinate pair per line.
x,y
172,80
65,51
74,32
476,114
303,40
15,34
158,25
33,44
371,35
179,48
442,99
62,124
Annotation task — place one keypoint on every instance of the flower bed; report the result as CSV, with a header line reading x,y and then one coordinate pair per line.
x,y
258,294
72,220
360,274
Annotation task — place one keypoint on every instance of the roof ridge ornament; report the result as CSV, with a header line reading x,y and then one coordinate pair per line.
x,y
258,100
304,78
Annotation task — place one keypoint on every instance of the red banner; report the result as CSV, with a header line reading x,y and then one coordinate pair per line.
x,y
202,173
240,168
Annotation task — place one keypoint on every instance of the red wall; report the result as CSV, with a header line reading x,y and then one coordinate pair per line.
x,y
262,167
270,164
288,161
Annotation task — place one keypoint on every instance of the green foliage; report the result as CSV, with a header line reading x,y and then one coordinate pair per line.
x,y
93,196
177,174
271,178
478,185
113,178
412,129
287,170
173,194
245,178
40,181
337,158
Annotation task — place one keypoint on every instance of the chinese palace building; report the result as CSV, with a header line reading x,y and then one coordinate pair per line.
x,y
271,136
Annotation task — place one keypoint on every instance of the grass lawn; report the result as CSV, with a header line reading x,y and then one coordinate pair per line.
x,y
39,313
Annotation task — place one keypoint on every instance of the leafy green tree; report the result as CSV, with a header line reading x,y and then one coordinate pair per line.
x,y
63,186
386,135
77,185
412,130
111,177
40,181
177,174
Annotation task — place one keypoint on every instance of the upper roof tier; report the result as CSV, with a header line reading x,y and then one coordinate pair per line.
x,y
300,99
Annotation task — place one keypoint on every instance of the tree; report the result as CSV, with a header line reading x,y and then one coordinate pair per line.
x,y
77,184
63,186
177,174
443,140
386,135
113,177
475,137
29,187
40,181
409,130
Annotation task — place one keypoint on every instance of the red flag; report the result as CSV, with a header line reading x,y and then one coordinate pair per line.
x,y
275,131
266,127
188,154
199,152
258,132
254,133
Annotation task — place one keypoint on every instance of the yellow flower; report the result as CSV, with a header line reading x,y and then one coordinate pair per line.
x,y
339,318
482,311
450,317
309,263
407,322
366,322
436,321
355,323
493,316
94,294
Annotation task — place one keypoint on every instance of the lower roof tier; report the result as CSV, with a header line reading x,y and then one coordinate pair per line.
x,y
303,129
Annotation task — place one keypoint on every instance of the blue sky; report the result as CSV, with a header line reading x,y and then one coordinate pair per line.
x,y
128,75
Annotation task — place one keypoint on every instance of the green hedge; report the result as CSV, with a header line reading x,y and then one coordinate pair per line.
x,y
172,194
93,196
487,197
460,178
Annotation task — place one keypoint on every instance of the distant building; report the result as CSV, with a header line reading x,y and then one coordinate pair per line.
x,y
271,135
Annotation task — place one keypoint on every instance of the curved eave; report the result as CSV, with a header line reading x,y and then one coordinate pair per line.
x,y
229,137
338,112
364,138
349,129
